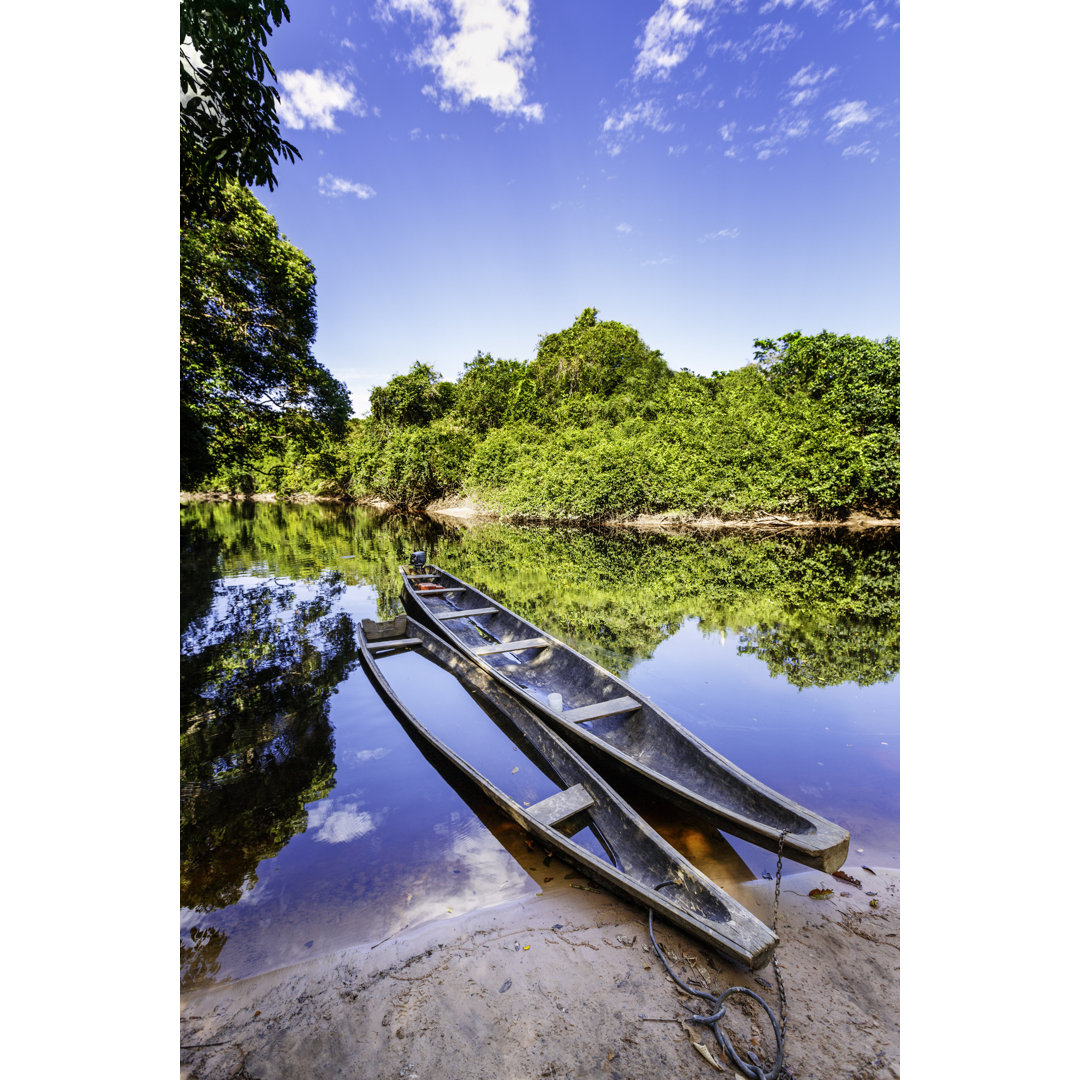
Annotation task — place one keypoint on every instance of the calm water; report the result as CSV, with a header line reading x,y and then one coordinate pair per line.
x,y
310,820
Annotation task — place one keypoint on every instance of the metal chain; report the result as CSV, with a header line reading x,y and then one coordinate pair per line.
x,y
775,923
755,1072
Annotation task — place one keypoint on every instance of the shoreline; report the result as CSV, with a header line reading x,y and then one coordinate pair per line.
x,y
463,511
566,984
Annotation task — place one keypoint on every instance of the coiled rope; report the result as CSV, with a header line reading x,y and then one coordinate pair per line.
x,y
747,1068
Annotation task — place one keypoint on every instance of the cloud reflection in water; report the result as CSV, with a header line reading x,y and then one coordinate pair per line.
x,y
339,826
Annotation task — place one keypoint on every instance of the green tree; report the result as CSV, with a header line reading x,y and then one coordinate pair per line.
x,y
602,358
490,392
228,114
248,380
416,398
854,378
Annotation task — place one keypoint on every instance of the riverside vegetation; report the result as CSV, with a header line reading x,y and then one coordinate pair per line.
x,y
597,427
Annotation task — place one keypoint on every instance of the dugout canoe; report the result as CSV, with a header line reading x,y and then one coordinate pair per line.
x,y
582,817
614,726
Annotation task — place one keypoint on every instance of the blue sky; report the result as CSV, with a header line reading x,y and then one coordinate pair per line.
x,y
476,172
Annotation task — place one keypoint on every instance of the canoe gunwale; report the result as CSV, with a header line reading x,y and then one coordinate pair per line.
x,y
740,937
823,845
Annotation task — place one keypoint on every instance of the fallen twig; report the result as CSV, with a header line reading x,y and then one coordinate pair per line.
x,y
394,935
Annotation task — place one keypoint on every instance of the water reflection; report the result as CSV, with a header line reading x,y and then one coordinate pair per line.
x,y
813,654
820,608
257,668
831,608
310,821
339,824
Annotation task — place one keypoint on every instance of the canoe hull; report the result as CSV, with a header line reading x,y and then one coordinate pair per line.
x,y
641,746
640,859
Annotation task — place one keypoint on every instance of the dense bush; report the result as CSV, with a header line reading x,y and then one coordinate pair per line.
x,y
727,446
597,426
409,466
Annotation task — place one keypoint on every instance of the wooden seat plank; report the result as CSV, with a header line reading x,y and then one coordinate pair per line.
x,y
439,591
385,631
561,805
512,646
399,643
602,708
464,614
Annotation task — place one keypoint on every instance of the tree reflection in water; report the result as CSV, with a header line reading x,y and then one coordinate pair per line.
x,y
819,607
817,610
257,670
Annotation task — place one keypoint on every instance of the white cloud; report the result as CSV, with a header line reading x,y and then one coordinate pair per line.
x,y
869,13
620,128
819,7
484,57
787,126
677,151
417,9
863,149
793,127
311,98
347,44
806,83
770,147
721,234
624,229
772,37
662,261
335,186
846,115
768,38
669,36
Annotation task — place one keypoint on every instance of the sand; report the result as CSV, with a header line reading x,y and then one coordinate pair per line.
x,y
566,985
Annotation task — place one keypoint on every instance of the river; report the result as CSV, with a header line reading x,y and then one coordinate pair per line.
x,y
309,821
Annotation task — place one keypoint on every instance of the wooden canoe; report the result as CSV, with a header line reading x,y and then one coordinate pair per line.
x,y
614,726
580,816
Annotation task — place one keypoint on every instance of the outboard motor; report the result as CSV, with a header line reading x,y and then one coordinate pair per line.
x,y
417,561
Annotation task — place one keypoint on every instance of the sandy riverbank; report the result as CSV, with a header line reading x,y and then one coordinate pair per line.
x,y
556,986
464,511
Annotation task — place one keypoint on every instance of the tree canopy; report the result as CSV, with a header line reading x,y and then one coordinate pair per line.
x,y
854,379
248,379
491,392
228,113
591,357
415,398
